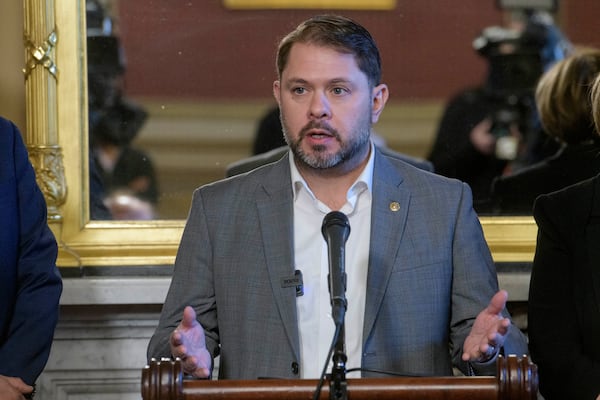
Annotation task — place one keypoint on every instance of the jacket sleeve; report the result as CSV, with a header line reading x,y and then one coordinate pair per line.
x,y
475,283
36,285
191,285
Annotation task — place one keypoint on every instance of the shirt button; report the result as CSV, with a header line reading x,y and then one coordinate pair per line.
x,y
295,368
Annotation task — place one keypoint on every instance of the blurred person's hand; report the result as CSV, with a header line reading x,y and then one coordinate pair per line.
x,y
505,147
482,139
126,206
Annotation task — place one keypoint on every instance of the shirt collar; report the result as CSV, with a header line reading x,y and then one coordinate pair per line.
x,y
363,182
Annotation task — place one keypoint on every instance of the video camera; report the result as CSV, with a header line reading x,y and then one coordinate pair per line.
x,y
515,66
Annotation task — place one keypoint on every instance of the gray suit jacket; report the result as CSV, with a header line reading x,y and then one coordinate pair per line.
x,y
430,274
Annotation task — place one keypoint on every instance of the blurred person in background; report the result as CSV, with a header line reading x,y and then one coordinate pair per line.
x,y
126,172
564,107
564,292
30,284
492,129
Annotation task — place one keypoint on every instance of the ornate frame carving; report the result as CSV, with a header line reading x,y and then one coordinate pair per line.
x,y
57,139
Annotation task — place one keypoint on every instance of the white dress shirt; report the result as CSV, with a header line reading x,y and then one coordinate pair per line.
x,y
310,252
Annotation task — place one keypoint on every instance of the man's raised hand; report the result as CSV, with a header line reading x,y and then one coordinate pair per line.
x,y
189,344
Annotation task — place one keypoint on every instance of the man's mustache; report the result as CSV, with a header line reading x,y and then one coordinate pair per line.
x,y
314,125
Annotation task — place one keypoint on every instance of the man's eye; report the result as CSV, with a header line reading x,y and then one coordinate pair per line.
x,y
339,91
299,90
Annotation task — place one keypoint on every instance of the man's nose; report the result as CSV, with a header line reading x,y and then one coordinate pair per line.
x,y
319,106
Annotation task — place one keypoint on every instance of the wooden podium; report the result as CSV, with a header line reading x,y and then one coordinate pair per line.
x,y
516,379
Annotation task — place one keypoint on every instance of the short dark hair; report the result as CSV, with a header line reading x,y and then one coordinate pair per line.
x,y
340,33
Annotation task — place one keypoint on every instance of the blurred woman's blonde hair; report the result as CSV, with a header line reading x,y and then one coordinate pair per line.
x,y
595,98
563,97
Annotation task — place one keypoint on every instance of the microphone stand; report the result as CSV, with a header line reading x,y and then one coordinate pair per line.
x,y
335,230
338,385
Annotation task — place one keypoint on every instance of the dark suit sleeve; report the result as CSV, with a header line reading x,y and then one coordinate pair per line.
x,y
31,311
555,316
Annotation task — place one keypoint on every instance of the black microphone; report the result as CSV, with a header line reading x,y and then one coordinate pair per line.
x,y
336,230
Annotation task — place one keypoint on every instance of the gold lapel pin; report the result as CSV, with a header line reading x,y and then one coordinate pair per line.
x,y
395,206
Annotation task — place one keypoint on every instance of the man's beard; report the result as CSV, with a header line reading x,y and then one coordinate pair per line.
x,y
317,157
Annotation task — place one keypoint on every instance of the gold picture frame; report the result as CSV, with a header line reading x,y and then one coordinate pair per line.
x,y
312,4
57,129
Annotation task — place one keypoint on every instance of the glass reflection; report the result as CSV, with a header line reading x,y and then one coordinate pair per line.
x,y
201,76
126,182
493,129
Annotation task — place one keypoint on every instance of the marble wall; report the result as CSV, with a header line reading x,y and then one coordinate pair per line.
x,y
100,343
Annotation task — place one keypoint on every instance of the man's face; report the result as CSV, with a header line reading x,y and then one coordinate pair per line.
x,y
327,106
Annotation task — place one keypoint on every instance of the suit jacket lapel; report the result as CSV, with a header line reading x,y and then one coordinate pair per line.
x,y
592,237
274,205
388,219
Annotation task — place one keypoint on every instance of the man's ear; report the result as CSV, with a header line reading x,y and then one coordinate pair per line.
x,y
380,97
277,91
